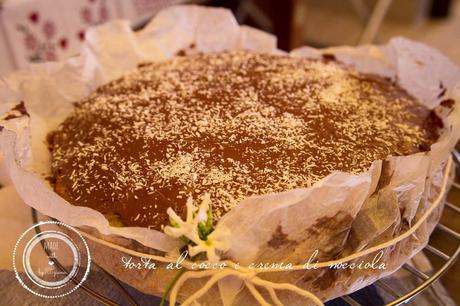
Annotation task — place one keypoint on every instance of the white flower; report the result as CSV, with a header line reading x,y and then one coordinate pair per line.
x,y
199,217
217,240
202,215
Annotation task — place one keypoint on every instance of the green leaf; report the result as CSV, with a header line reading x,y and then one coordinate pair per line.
x,y
202,231
209,221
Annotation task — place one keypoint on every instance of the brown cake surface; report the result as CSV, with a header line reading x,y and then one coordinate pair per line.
x,y
232,125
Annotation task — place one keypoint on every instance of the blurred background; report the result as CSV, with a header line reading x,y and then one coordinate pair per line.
x,y
48,30
33,31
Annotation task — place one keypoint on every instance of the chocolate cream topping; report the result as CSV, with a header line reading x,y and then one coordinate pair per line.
x,y
232,125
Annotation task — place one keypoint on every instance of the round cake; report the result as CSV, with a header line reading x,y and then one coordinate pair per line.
x,y
231,125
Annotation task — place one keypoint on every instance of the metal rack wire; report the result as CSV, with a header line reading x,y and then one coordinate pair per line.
x,y
399,298
427,280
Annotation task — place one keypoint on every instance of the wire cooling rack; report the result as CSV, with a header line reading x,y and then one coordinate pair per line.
x,y
398,298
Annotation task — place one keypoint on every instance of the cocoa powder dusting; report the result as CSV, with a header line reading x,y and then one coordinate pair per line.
x,y
229,124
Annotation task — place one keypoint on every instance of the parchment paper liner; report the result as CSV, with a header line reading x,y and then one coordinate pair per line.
x,y
341,214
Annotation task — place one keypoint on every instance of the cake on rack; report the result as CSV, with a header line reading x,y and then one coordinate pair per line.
x,y
232,125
